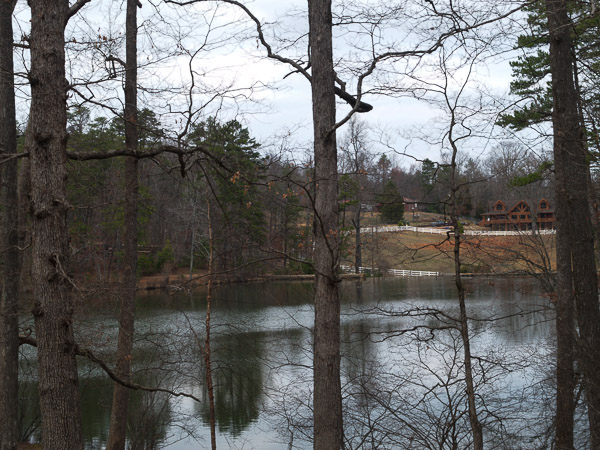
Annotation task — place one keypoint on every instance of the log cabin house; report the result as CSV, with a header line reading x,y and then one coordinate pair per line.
x,y
522,215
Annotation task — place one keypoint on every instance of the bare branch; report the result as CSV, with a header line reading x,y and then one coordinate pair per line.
x,y
355,102
86,353
74,9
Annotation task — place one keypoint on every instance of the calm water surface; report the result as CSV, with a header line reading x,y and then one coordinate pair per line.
x,y
262,354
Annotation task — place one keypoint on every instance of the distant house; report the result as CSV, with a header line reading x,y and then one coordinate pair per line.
x,y
410,205
367,207
519,215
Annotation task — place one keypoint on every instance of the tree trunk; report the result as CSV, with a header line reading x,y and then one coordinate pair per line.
x,y
286,225
565,333
357,242
24,198
576,272
191,275
9,254
118,416
207,353
328,429
53,307
476,427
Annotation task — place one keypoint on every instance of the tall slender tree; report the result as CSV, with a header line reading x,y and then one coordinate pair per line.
x,y
355,161
9,253
118,417
208,374
463,322
328,424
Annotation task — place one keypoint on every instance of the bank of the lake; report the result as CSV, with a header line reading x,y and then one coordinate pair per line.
x,y
180,282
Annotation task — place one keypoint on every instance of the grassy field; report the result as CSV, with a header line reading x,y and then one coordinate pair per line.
x,y
422,219
434,252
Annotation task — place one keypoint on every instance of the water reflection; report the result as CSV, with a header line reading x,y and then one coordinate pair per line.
x,y
262,348
238,381
150,418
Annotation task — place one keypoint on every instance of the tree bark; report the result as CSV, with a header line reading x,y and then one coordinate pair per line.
x,y
565,333
207,352
24,199
118,416
9,254
476,427
53,307
576,265
328,424
357,242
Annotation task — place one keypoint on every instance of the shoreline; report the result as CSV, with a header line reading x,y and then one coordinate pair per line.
x,y
175,282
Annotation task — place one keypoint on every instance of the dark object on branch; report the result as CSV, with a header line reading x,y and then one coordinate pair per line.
x,y
362,106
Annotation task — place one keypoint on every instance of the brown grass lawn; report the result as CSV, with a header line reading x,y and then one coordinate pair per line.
x,y
368,219
435,252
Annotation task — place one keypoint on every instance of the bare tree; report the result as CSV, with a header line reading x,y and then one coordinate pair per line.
x,y
208,375
355,159
454,137
328,426
9,252
52,285
118,422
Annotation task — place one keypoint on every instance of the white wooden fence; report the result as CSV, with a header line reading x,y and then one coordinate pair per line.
x,y
394,272
507,233
432,230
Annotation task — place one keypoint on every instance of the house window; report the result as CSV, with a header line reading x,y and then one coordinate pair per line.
x,y
522,216
499,207
514,216
543,205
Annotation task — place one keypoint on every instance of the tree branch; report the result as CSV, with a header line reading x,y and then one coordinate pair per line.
x,y
75,9
86,353
340,92
115,59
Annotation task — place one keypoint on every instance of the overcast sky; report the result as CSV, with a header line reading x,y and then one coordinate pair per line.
x,y
232,57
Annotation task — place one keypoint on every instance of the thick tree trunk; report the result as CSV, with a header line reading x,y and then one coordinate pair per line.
x,y
328,430
9,253
53,307
118,416
577,273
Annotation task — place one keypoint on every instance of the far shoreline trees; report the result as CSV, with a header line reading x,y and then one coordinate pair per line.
x,y
390,204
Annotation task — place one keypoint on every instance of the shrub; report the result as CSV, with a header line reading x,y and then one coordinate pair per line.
x,y
146,265
165,256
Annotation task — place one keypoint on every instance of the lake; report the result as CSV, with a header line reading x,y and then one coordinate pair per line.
x,y
401,367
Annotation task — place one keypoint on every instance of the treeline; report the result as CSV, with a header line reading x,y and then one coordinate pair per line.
x,y
261,202
256,203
